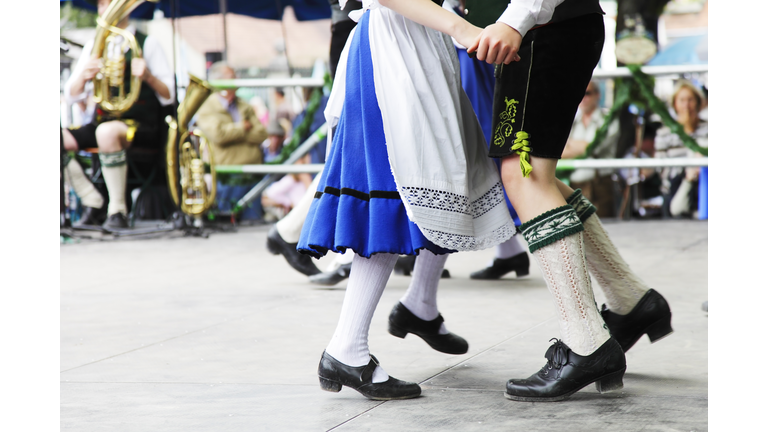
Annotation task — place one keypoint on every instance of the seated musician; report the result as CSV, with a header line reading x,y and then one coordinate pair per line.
x,y
142,125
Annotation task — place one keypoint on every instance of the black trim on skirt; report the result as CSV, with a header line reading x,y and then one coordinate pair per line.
x,y
540,93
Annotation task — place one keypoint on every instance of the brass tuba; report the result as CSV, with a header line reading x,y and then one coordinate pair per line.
x,y
183,159
109,84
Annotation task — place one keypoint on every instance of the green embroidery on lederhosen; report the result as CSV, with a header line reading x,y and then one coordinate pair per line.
x,y
506,120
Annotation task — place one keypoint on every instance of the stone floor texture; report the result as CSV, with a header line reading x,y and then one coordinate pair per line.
x,y
191,334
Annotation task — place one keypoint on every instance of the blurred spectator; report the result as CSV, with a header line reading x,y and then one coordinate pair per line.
x,y
283,108
595,184
230,124
280,197
262,112
680,185
274,142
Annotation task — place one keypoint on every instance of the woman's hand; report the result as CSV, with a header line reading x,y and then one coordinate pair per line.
x,y
467,34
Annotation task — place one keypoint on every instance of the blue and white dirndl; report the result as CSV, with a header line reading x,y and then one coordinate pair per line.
x,y
408,166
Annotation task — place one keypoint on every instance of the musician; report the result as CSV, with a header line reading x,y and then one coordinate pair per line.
x,y
142,125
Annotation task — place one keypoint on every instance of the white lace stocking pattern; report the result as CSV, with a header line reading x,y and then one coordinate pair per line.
x,y
565,271
622,288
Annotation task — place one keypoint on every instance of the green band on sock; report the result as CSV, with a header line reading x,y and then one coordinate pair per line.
x,y
584,208
115,159
550,227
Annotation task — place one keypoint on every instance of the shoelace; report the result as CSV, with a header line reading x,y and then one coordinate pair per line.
x,y
557,354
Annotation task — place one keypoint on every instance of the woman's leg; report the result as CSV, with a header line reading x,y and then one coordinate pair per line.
x,y
417,311
347,360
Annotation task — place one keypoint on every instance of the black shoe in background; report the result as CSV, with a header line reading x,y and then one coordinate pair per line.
x,y
331,278
300,262
520,264
405,263
90,217
402,321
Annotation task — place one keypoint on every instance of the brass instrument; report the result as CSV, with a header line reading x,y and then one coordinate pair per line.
x,y
109,84
195,197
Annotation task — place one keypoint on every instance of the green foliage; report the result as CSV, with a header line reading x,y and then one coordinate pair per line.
x,y
76,17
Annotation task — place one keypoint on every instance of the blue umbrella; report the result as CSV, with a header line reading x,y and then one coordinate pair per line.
x,y
305,10
689,50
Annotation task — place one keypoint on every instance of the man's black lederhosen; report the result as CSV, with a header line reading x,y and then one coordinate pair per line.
x,y
146,116
540,93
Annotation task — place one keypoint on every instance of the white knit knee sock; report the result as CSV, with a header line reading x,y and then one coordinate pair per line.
x,y
74,175
421,297
290,226
114,168
367,280
556,242
623,289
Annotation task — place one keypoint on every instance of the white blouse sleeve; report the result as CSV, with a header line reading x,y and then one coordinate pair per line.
x,y
522,15
158,66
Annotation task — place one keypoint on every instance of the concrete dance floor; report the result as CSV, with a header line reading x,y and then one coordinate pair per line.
x,y
190,334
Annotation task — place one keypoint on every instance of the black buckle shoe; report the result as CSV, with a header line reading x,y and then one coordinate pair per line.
x,y
567,372
334,374
332,277
519,263
651,316
402,321
300,262
115,222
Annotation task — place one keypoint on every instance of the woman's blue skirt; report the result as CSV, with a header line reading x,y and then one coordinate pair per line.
x,y
357,205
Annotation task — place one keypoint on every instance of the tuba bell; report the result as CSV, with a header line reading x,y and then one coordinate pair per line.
x,y
109,85
183,160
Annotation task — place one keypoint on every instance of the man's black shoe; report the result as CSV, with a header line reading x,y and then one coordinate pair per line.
x,y
519,263
302,263
331,278
567,372
651,316
115,222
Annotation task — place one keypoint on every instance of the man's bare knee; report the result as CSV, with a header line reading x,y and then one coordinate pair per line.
x,y
70,143
110,136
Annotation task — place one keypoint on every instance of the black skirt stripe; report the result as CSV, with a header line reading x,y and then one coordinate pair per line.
x,y
358,194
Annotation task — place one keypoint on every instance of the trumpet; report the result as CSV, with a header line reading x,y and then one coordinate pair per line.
x,y
183,160
109,84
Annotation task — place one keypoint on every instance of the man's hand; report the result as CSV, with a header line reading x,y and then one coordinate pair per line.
x,y
92,68
139,68
247,125
497,43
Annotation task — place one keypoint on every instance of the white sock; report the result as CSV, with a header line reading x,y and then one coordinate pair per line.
x,y
89,195
564,267
367,280
421,297
621,286
289,227
114,168
509,248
